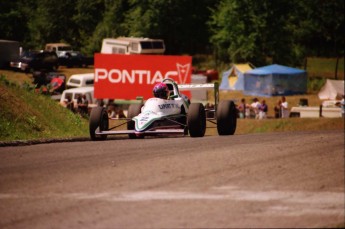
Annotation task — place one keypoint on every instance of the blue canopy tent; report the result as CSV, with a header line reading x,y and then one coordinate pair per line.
x,y
275,80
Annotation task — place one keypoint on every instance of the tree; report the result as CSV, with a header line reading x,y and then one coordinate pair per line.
x,y
50,21
13,20
284,31
110,25
88,13
182,24
251,31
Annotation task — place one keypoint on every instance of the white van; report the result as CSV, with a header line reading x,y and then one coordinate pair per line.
x,y
132,45
73,93
81,80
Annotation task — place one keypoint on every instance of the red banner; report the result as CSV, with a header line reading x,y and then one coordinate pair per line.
x,y
128,76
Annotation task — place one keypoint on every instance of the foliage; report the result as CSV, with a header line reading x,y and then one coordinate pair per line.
x,y
286,31
315,84
283,32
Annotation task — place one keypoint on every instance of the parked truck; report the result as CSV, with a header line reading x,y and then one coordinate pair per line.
x,y
9,51
67,56
61,49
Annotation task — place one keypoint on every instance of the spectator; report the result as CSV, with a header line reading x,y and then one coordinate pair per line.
x,y
263,108
284,108
255,107
277,110
121,114
243,108
79,103
82,104
85,105
69,103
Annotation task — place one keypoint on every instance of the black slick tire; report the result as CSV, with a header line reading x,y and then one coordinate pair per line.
x,y
226,118
196,120
133,110
98,120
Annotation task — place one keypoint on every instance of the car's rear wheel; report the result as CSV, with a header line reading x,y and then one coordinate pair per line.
x,y
196,120
98,120
133,110
226,118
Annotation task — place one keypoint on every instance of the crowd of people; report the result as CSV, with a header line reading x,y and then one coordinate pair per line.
x,y
258,110
82,105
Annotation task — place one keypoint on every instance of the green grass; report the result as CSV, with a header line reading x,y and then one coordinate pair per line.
x,y
325,68
26,115
247,126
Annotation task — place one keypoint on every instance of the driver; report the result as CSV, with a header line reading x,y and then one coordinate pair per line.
x,y
161,90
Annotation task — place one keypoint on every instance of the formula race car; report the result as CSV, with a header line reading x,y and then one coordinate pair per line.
x,y
174,115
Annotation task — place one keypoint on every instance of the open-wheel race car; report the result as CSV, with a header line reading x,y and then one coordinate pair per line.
x,y
170,116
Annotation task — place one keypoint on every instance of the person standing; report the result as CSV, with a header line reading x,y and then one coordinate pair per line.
x,y
69,103
263,110
284,108
79,104
242,109
255,107
82,103
277,110
85,105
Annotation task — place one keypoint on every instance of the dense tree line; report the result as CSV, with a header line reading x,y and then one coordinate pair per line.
x,y
284,31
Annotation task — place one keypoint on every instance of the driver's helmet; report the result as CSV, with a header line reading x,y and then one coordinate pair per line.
x,y
160,90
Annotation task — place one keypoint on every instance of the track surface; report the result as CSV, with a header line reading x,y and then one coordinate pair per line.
x,y
257,180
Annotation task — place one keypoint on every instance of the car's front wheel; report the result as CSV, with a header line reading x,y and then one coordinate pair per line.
x,y
226,118
133,110
98,121
196,120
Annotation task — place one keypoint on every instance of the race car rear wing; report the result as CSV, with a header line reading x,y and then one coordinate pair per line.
x,y
202,86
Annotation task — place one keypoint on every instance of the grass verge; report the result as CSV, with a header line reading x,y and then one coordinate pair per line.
x,y
26,115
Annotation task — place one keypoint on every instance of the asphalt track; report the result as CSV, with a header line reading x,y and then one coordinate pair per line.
x,y
275,180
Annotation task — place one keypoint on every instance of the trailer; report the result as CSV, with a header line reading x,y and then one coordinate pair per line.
x,y
132,45
9,51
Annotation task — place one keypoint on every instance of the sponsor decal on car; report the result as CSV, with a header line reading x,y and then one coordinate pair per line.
x,y
168,106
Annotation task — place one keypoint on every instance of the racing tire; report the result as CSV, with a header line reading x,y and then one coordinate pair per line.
x,y
226,118
133,110
196,120
98,120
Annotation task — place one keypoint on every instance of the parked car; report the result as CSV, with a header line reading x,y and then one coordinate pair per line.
x,y
75,59
211,74
31,61
81,80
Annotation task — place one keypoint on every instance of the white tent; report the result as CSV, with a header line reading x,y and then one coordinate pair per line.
x,y
333,89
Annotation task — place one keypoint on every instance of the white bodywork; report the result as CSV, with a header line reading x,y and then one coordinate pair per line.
x,y
156,109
